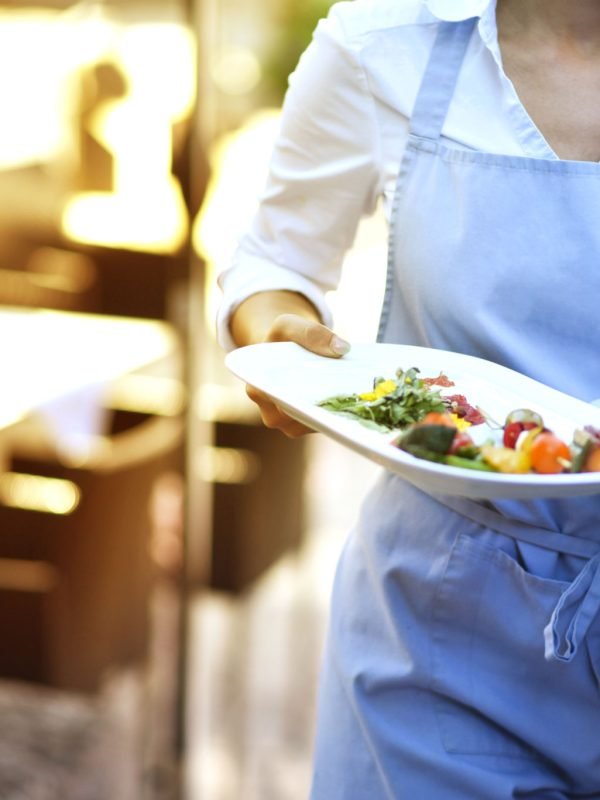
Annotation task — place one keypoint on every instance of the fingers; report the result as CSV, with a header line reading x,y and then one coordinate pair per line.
x,y
273,417
312,335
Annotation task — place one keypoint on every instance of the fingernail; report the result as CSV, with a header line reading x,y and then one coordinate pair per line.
x,y
339,346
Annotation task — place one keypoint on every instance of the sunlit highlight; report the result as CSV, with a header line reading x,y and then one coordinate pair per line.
x,y
146,210
35,66
237,71
38,493
239,163
155,221
217,403
148,394
226,465
42,55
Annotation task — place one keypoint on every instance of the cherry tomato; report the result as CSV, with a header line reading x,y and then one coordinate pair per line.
x,y
461,439
513,430
546,453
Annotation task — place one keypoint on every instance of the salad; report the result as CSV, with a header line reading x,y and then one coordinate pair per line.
x,y
436,427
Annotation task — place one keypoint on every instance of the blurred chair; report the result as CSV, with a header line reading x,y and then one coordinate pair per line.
x,y
258,502
76,571
251,485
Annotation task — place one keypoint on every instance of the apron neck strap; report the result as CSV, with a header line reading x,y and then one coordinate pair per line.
x,y
439,80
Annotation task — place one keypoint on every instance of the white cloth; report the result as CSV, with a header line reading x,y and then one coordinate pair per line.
x,y
343,130
76,420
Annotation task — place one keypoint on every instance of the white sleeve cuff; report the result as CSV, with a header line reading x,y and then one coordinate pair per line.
x,y
259,275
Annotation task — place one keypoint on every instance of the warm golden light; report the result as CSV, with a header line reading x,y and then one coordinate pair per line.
x,y
239,163
72,360
148,394
41,51
35,63
42,56
237,71
146,210
217,403
153,221
159,60
226,465
38,493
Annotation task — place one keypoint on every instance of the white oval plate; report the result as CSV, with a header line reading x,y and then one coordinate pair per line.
x,y
297,380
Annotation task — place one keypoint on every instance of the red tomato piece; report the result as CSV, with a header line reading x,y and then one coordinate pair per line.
x,y
461,439
512,431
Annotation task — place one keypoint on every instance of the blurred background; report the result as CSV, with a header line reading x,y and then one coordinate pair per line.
x,y
165,561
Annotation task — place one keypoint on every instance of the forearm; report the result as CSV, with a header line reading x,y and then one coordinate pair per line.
x,y
254,317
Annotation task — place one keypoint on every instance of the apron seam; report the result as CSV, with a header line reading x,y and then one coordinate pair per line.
x,y
560,168
391,253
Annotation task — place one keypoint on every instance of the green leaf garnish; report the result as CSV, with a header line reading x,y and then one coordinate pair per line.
x,y
408,401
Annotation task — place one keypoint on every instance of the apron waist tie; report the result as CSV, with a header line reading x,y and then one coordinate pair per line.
x,y
579,604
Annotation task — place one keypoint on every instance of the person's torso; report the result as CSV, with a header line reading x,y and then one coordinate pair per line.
x,y
495,255
393,41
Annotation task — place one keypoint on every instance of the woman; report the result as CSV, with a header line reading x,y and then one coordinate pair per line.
x,y
463,656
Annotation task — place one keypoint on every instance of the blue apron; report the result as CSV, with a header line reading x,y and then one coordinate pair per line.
x,y
463,653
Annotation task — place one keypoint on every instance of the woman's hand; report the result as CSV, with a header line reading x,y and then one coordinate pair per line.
x,y
314,337
258,320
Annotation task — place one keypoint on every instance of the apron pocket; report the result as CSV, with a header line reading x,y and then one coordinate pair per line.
x,y
495,694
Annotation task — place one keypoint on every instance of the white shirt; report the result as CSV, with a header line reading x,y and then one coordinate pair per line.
x,y
344,126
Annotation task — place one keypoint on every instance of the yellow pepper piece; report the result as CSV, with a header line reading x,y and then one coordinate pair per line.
x,y
382,388
460,423
524,442
505,459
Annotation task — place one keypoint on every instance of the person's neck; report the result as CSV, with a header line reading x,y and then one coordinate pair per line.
x,y
574,25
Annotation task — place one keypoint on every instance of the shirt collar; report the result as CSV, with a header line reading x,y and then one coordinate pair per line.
x,y
455,10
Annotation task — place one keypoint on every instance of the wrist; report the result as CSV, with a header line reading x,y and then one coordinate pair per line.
x,y
253,318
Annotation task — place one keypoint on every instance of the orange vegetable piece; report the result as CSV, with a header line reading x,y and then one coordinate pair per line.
x,y
592,461
438,418
548,454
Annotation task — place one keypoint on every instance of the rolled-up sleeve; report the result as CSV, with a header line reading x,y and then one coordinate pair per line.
x,y
324,175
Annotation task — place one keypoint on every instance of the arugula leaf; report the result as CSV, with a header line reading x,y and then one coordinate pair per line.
x,y
407,402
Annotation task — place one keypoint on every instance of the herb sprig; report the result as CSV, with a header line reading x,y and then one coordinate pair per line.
x,y
392,404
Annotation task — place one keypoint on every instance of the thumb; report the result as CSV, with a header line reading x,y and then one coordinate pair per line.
x,y
311,335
